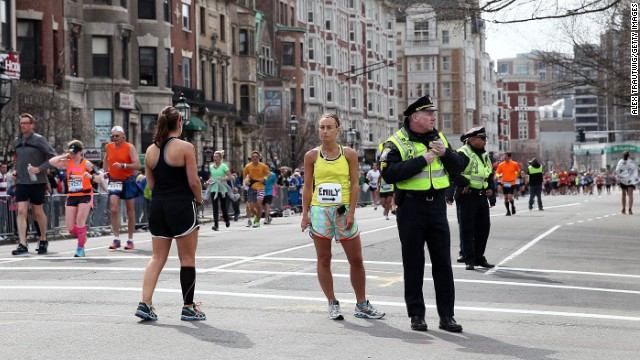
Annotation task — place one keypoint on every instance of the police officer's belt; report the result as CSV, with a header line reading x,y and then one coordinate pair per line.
x,y
474,192
427,195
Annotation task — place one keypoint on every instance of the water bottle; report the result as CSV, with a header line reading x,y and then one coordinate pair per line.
x,y
32,176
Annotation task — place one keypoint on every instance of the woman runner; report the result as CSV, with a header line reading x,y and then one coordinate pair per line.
x,y
330,197
80,191
172,175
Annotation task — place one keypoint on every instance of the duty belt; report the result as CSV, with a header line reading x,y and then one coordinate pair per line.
x,y
428,195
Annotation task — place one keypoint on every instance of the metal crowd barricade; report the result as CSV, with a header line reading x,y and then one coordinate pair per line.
x,y
99,220
284,201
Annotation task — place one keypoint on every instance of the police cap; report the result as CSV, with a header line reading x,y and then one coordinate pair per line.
x,y
423,104
476,131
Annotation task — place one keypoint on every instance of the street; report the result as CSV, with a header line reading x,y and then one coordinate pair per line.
x,y
567,287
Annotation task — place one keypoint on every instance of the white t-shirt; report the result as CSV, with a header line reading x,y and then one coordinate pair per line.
x,y
373,176
627,172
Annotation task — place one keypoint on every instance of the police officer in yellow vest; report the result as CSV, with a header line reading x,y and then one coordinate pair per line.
x,y
473,187
536,177
418,160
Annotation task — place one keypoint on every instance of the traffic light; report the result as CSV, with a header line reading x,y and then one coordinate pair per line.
x,y
581,136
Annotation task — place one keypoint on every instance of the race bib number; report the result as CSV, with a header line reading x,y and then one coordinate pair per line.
x,y
506,185
115,186
330,193
75,184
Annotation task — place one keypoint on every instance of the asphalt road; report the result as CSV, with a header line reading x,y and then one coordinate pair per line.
x,y
567,287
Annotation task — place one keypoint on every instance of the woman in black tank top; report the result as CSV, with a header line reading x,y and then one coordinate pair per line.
x,y
172,176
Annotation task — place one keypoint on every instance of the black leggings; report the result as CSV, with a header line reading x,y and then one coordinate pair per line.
x,y
222,199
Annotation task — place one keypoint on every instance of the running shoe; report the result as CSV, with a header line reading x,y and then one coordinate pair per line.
x,y
334,310
115,245
249,222
129,245
256,222
367,311
79,252
146,312
42,247
21,250
192,313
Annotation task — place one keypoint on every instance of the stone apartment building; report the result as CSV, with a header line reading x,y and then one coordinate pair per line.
x,y
443,55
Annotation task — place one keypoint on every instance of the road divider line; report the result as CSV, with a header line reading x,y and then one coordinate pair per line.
x,y
324,300
523,249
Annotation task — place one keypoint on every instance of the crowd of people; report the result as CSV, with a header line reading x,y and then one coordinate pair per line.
x,y
417,174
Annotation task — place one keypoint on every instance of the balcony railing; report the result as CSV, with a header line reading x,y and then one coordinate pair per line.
x,y
219,108
31,72
192,95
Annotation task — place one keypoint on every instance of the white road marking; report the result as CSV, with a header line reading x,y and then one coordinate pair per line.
x,y
570,223
523,249
506,268
286,250
323,300
313,274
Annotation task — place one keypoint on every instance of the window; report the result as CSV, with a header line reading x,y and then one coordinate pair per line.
x,y
522,87
522,101
329,51
522,116
213,82
166,10
352,31
186,72
221,29
503,68
310,16
445,63
244,42
203,73
101,53
311,54
123,3
148,129
301,53
186,22
445,37
312,87
168,67
446,89
522,69
203,20
287,54
446,122
146,9
330,92
73,57
223,83
523,131
125,58
421,30
245,105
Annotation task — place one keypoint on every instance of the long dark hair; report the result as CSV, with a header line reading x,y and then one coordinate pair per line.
x,y
167,122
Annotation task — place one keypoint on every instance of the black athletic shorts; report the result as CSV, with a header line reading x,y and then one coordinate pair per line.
x,y
172,218
76,200
33,193
625,187
268,199
508,190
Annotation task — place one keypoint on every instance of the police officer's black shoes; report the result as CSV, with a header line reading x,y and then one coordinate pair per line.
x,y
449,324
485,264
469,267
461,259
418,323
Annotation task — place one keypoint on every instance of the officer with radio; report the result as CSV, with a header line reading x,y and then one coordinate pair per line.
x,y
473,187
418,160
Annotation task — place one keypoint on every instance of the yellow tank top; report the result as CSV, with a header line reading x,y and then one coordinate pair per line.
x,y
331,181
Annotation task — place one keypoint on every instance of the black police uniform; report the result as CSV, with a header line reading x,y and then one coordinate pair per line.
x,y
473,212
422,217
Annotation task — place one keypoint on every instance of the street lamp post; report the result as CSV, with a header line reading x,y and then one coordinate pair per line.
x,y
293,129
184,109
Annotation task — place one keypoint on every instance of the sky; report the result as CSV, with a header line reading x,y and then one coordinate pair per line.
x,y
507,40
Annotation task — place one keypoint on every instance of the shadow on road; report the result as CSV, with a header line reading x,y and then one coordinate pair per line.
x,y
205,332
379,328
478,344
523,275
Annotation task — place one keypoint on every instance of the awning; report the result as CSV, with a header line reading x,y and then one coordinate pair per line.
x,y
195,124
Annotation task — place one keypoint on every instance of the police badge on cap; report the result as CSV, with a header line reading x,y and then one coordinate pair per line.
x,y
422,104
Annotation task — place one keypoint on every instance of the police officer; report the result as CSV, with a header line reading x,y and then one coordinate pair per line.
x,y
536,177
473,187
417,159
